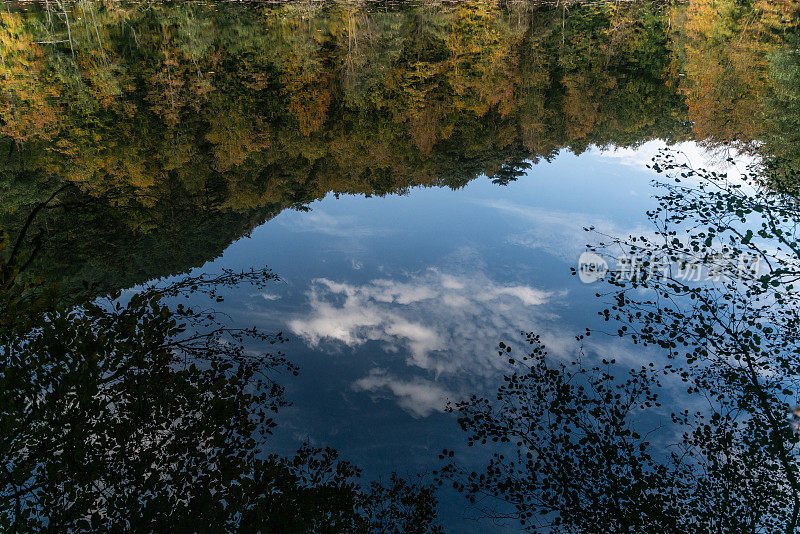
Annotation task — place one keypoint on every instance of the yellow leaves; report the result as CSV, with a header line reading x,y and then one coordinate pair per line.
x,y
27,94
581,105
726,67
779,14
424,128
481,58
165,92
309,105
309,95
169,102
235,136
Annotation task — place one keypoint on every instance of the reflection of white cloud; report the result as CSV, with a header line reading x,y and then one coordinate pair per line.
x,y
560,233
319,222
527,295
270,296
419,397
697,155
444,323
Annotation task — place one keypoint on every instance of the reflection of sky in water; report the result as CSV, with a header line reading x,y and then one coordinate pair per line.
x,y
396,304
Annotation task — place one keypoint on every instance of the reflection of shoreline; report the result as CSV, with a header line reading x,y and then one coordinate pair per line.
x,y
356,106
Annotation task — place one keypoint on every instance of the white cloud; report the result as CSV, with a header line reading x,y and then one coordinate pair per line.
x,y
561,233
712,158
320,222
442,323
527,295
419,397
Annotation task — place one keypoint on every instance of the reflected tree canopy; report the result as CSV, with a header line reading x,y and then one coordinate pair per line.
x,y
578,451
140,140
127,414
183,126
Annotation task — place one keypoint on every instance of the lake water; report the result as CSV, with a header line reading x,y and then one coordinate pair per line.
x,y
394,306
420,179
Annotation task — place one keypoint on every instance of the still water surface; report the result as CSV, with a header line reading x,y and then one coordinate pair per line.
x,y
420,178
395,305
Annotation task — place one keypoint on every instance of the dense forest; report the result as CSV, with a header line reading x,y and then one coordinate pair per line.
x,y
183,126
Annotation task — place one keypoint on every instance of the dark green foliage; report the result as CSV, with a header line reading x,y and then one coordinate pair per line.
x,y
125,415
204,121
578,450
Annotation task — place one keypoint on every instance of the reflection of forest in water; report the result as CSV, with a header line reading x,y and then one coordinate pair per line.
x,y
183,126
140,140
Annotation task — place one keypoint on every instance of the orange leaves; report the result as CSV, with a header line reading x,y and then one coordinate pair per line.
x,y
28,92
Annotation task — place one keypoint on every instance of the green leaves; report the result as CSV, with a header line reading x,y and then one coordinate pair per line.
x,y
584,456
168,411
